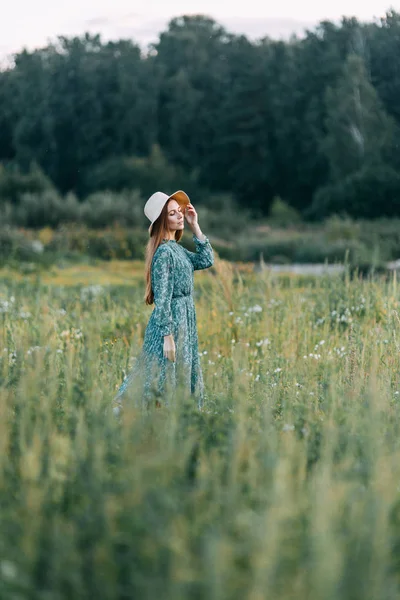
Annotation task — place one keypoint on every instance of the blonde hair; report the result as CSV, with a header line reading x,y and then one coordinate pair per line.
x,y
159,230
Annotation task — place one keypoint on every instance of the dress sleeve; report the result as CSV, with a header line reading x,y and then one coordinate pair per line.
x,y
163,285
203,258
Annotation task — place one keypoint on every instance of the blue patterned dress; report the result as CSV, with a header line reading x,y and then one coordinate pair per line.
x,y
172,282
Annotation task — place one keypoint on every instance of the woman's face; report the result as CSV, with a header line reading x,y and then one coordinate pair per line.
x,y
175,216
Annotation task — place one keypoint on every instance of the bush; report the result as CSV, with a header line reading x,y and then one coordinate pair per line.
x,y
18,246
48,208
116,243
222,214
14,184
369,193
104,208
147,174
281,214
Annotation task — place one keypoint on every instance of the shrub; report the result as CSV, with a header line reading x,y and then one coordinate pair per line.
x,y
221,213
147,174
104,208
115,243
48,208
369,193
14,184
17,246
282,214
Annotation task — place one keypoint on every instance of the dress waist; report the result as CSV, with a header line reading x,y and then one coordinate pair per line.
x,y
181,295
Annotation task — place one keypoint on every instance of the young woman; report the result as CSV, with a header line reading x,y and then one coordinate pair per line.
x,y
169,355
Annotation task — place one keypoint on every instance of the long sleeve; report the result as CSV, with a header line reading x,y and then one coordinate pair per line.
x,y
203,258
163,285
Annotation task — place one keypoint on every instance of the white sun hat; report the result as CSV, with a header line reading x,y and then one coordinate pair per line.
x,y
156,202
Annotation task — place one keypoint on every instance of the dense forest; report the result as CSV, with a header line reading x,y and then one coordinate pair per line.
x,y
314,120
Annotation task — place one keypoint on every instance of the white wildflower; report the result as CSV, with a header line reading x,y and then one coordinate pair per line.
x,y
8,569
265,342
37,246
255,309
33,349
91,292
288,427
25,314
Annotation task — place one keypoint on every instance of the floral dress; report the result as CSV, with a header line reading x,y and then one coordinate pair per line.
x,y
172,282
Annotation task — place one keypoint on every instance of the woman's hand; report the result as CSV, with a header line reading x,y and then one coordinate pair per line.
x,y
169,347
191,215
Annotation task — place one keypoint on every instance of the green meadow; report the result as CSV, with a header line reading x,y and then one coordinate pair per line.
x,y
285,486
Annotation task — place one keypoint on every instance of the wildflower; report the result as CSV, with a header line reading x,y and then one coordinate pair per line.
x,y
288,427
33,349
91,291
4,306
25,315
255,309
278,370
257,377
265,342
37,246
8,569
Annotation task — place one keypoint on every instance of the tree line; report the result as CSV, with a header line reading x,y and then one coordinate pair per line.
x,y
313,120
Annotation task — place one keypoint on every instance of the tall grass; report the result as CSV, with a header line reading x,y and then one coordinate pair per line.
x,y
285,486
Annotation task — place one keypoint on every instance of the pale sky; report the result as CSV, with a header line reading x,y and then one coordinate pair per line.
x,y
32,23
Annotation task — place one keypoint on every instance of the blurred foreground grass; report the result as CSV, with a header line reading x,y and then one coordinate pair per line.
x,y
286,485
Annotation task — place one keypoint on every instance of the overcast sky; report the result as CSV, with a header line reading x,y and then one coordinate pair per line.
x,y
32,23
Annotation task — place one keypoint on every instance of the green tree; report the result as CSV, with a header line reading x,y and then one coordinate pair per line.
x,y
359,131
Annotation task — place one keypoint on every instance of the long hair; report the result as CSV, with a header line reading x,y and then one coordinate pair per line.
x,y
159,231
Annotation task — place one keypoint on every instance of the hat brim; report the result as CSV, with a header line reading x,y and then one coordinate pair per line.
x,y
182,199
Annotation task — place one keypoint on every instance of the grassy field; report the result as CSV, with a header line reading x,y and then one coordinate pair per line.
x,y
287,484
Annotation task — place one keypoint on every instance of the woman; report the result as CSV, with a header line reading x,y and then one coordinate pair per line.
x,y
169,356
